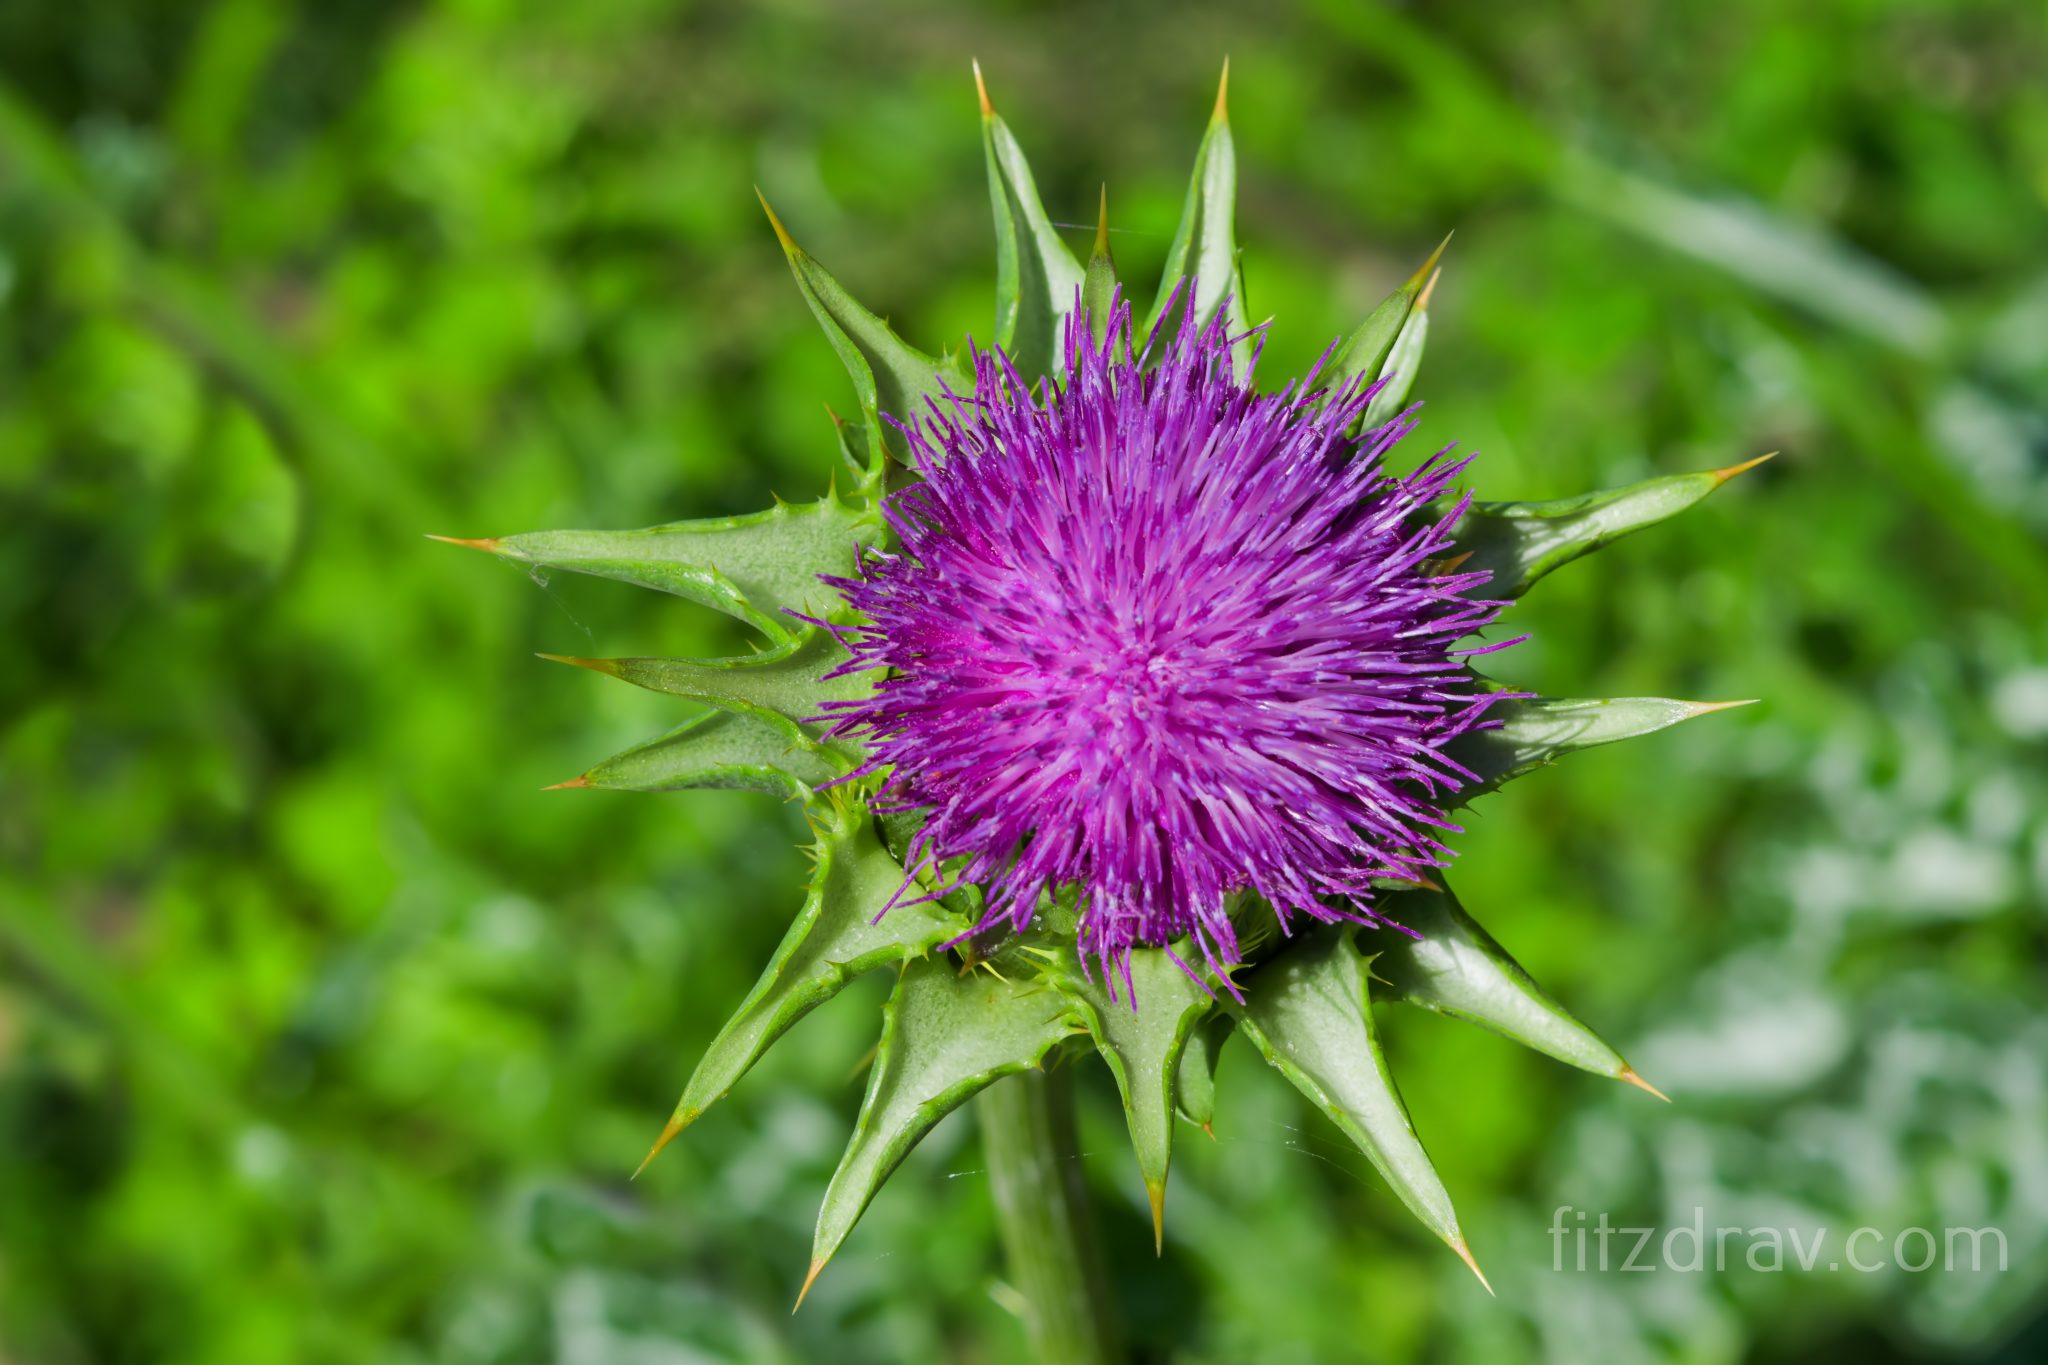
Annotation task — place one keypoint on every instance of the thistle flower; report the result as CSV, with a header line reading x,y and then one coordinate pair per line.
x,y
1151,636
1110,661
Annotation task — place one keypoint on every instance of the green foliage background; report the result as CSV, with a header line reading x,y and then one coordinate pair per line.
x,y
326,1036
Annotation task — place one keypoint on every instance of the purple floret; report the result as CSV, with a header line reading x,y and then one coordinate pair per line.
x,y
1160,639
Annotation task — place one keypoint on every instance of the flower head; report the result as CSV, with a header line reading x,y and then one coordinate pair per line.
x,y
1157,638
1158,660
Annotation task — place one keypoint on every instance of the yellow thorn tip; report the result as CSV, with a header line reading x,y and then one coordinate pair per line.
x,y
675,1125
1722,476
981,91
570,785
789,247
809,1280
1628,1073
1223,94
1425,274
1422,299
1465,1255
1707,708
489,543
596,665
1156,1193
1102,224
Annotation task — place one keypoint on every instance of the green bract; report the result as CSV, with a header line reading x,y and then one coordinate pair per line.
x,y
962,1017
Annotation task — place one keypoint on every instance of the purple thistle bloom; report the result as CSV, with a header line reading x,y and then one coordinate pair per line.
x,y
1157,638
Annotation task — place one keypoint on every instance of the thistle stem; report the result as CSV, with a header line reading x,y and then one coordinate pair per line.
x,y
1048,1228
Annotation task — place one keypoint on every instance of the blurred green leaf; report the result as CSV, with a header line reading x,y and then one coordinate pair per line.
x,y
1796,262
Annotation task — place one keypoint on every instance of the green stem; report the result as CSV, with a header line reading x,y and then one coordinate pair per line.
x,y
1027,1131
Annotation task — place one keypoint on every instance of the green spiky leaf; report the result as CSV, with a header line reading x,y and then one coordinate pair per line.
x,y
1456,968
1143,1048
1194,1085
944,1036
785,687
1307,1011
1519,542
1036,273
1205,243
755,567
1368,351
1537,731
840,933
721,749
1098,288
1403,362
889,374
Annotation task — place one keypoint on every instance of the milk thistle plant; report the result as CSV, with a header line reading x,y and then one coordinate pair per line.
x,y
1131,708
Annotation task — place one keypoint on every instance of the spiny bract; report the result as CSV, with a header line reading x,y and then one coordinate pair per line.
x,y
1297,730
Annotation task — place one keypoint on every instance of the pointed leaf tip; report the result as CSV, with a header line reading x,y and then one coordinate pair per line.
x,y
1465,1255
1309,1012
757,568
809,1280
1518,543
789,246
610,666
1429,288
1425,273
1204,248
841,932
675,1125
1456,968
944,1039
1388,345
1532,732
488,544
1098,280
1037,276
1708,708
981,89
1147,1053
1628,1073
581,780
1721,476
889,374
